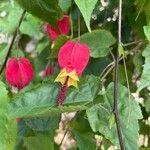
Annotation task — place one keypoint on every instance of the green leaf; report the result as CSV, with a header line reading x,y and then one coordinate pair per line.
x,y
147,32
17,53
85,141
31,26
7,127
47,10
65,4
38,142
22,131
9,22
44,124
86,7
42,44
42,99
99,42
147,12
99,116
83,134
145,78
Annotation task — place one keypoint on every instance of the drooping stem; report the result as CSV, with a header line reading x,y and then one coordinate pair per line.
x,y
63,92
115,111
12,42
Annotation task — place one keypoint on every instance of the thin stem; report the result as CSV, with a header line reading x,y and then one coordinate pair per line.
x,y
115,111
66,131
108,69
134,42
12,42
79,27
107,72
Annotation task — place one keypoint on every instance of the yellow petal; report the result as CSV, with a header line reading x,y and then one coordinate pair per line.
x,y
73,78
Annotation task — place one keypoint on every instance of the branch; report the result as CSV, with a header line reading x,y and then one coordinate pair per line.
x,y
12,42
115,111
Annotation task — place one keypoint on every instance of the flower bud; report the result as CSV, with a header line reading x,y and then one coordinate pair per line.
x,y
48,71
19,72
63,27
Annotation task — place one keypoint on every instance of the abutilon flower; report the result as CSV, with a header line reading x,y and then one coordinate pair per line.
x,y
73,57
63,27
19,72
49,70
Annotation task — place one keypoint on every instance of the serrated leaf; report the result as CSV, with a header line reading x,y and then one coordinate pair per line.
x,y
100,114
145,77
86,7
7,127
42,99
39,142
99,42
84,140
47,10
44,124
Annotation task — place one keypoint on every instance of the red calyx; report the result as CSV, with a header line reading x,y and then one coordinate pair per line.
x,y
63,27
19,72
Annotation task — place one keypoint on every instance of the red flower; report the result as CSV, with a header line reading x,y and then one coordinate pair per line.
x,y
19,72
63,27
48,71
72,58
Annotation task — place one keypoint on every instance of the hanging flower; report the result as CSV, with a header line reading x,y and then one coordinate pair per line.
x,y
19,72
72,58
63,27
48,71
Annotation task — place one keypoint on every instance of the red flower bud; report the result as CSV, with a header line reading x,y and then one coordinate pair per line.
x,y
52,32
48,71
19,72
63,27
